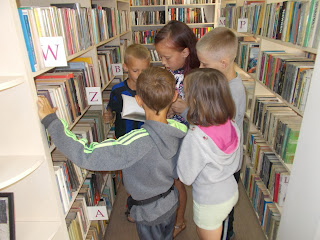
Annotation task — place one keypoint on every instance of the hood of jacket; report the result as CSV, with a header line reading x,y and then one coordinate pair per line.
x,y
167,139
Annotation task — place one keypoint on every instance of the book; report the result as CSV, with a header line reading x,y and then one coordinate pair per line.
x,y
131,110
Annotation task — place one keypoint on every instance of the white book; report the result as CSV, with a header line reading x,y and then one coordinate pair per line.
x,y
283,185
62,188
131,110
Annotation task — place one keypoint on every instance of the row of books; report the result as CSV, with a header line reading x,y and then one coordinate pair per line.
x,y
278,124
199,32
253,11
78,224
265,164
174,2
154,55
288,75
69,178
146,2
147,36
65,91
65,86
249,86
147,17
144,37
267,212
170,2
289,21
80,27
187,15
97,230
247,56
295,22
108,55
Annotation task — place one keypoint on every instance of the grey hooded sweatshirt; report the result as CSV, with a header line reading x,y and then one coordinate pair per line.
x,y
207,168
147,156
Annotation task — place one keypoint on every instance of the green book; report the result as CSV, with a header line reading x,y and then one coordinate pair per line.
x,y
311,13
290,149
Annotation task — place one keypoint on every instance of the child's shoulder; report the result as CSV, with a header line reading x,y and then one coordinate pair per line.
x,y
236,83
119,86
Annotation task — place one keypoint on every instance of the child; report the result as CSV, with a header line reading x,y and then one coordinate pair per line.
x,y
175,44
218,49
136,59
148,156
210,153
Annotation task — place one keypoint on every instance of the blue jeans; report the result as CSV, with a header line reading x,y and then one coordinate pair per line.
x,y
162,231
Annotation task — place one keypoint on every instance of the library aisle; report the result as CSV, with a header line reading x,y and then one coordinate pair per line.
x,y
246,224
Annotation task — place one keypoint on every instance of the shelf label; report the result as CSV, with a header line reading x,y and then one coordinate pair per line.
x,y
117,69
94,95
221,22
242,25
97,213
53,51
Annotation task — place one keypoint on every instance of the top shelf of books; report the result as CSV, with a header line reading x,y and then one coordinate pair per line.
x,y
291,23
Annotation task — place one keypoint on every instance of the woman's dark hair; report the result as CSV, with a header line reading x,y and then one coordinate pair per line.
x,y
181,37
208,97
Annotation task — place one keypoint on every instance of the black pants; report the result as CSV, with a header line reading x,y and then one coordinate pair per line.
x,y
227,226
162,231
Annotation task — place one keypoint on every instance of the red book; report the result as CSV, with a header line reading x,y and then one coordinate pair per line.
x,y
276,187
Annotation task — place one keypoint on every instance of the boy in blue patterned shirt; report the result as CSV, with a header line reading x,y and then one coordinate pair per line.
x,y
136,59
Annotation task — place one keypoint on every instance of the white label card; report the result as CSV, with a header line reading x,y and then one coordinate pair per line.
x,y
221,22
94,95
117,69
242,25
53,51
98,213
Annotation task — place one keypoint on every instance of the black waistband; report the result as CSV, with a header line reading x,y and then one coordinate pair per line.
x,y
131,201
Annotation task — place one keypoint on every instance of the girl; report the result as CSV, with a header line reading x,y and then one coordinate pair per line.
x,y
175,44
210,153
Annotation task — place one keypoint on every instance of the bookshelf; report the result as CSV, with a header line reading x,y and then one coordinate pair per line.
x,y
26,159
296,216
185,11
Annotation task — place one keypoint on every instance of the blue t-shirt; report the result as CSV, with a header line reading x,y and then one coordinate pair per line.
x,y
122,126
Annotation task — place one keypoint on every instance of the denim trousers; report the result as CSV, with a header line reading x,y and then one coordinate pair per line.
x,y
162,231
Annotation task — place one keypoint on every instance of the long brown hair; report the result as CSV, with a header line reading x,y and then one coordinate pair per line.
x,y
181,37
208,97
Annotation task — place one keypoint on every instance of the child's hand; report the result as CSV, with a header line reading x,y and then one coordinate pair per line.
x,y
179,106
44,107
108,116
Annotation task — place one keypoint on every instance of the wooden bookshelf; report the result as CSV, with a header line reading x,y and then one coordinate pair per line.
x,y
10,81
293,211
26,159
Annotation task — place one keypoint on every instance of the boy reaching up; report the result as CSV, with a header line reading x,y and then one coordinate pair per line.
x,y
147,156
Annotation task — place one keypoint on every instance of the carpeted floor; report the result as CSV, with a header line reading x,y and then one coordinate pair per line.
x,y
246,225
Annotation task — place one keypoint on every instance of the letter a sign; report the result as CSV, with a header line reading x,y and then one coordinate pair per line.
x,y
53,51
98,213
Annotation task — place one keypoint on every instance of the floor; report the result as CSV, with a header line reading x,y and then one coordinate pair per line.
x,y
246,225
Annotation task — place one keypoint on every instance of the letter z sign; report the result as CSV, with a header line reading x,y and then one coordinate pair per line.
x,y
94,95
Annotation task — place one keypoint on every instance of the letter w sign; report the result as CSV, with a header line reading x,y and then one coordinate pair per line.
x,y
53,52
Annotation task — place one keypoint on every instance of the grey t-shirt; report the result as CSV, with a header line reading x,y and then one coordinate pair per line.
x,y
239,97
